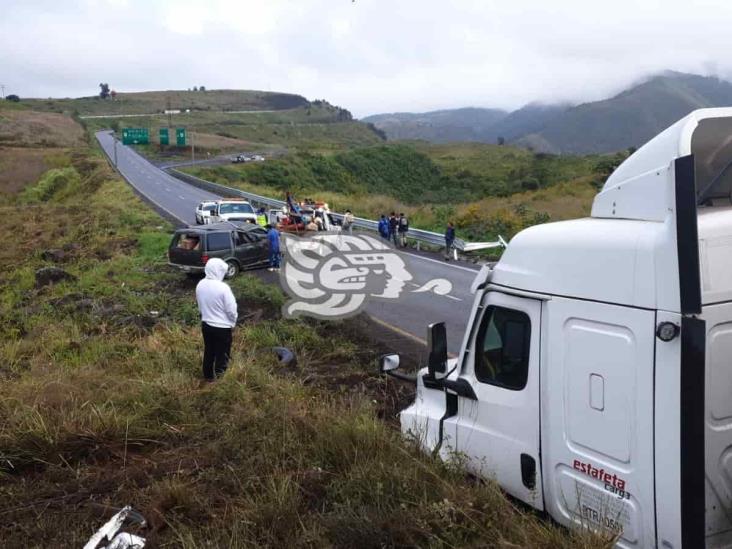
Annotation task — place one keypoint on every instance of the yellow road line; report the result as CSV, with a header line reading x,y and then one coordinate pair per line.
x,y
398,330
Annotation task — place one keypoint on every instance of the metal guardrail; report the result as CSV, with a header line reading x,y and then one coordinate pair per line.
x,y
420,236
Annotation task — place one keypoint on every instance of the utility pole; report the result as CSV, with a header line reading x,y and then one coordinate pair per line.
x,y
2,87
169,109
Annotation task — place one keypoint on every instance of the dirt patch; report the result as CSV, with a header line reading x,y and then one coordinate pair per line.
x,y
21,167
39,129
388,395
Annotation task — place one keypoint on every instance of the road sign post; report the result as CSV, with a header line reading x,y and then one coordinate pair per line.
x,y
164,137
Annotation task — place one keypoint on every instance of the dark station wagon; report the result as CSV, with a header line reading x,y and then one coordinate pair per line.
x,y
241,245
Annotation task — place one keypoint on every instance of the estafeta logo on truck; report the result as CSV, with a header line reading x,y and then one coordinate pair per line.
x,y
613,483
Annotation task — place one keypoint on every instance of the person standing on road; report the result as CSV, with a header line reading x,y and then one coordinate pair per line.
x,y
384,227
218,309
273,237
393,225
261,218
449,240
403,227
348,222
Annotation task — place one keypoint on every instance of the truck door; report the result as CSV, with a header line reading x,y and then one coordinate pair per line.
x,y
498,432
598,418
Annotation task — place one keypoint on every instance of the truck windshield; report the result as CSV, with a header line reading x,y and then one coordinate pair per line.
x,y
235,208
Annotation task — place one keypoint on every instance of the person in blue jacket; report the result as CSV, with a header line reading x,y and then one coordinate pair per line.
x,y
449,240
273,237
384,227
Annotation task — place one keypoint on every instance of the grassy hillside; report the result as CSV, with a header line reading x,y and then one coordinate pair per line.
x,y
417,173
223,120
101,404
34,129
32,142
495,190
158,101
316,127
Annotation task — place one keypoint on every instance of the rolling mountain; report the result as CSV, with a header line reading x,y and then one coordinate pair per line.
x,y
467,124
628,119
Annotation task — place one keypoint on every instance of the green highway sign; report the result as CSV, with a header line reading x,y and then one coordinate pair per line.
x,y
164,139
135,136
180,136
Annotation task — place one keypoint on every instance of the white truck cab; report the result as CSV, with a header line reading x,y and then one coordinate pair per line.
x,y
594,382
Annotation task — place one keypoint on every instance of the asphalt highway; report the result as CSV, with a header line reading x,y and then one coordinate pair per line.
x,y
408,316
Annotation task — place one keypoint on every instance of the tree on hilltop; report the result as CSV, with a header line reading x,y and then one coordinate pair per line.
x,y
104,93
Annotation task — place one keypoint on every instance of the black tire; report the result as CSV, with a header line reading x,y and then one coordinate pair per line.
x,y
233,269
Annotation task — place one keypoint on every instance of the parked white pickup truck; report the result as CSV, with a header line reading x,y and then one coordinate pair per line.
x,y
233,209
594,381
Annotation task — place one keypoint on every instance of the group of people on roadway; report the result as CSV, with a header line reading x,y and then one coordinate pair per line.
x,y
394,229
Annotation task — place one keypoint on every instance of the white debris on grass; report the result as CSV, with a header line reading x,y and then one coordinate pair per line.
x,y
108,531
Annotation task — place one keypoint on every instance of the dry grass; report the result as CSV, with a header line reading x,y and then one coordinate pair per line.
x,y
25,128
22,166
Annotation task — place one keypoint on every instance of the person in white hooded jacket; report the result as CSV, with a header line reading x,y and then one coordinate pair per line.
x,y
218,309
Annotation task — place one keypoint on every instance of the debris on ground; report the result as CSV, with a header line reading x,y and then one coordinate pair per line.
x,y
123,540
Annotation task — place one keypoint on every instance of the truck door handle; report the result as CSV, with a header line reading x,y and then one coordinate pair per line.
x,y
528,471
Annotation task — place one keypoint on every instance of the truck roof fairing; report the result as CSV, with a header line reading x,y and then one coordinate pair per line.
x,y
639,188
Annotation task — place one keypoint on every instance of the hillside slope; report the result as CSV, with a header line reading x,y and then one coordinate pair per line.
x,y
632,117
158,101
467,124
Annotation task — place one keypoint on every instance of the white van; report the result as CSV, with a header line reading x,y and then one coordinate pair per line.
x,y
595,377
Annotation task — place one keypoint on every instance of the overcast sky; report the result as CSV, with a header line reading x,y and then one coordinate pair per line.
x,y
369,56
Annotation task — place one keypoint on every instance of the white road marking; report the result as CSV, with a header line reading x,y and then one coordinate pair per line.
x,y
182,197
441,295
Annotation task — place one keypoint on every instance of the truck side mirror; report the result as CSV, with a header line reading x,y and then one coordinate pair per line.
x,y
388,363
437,343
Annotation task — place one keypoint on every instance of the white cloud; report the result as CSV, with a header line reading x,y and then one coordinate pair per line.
x,y
368,55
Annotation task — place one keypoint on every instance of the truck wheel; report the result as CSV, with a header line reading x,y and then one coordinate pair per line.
x,y
233,269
